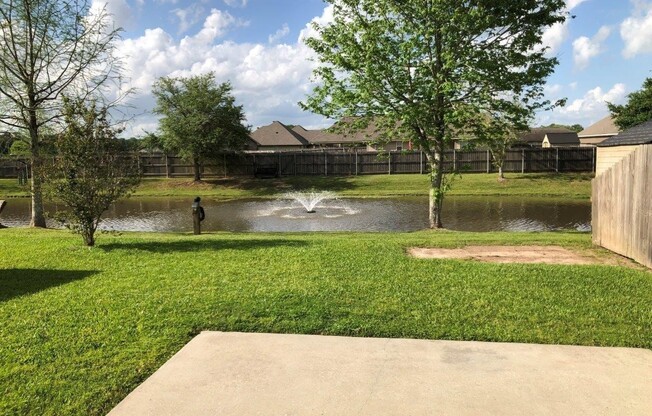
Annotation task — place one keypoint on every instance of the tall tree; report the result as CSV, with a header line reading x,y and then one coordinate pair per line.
x,y
433,67
48,47
200,118
91,171
637,110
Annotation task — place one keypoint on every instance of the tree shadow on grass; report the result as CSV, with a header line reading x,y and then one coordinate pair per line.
x,y
19,282
200,245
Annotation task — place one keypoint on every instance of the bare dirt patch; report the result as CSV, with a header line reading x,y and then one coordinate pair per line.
x,y
507,254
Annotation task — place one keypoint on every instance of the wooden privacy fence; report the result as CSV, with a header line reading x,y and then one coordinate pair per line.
x,y
622,207
341,163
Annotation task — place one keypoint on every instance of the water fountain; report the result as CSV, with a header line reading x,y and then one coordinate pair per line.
x,y
309,200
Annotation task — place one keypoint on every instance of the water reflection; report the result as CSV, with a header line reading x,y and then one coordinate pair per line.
x,y
397,214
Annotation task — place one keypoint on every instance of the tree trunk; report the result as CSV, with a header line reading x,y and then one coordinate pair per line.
x,y
197,170
89,238
38,213
436,198
501,176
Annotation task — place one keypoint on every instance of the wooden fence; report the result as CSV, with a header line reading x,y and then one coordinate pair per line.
x,y
622,207
333,163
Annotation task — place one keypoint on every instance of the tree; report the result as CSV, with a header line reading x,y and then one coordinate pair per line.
x,y
575,127
499,136
47,48
430,68
200,118
637,110
90,172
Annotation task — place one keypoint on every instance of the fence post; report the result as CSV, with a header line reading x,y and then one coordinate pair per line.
x,y
488,165
356,162
454,161
389,161
593,160
421,162
557,160
167,166
278,161
224,158
522,160
325,164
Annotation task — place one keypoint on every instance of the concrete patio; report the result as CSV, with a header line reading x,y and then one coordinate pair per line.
x,y
267,374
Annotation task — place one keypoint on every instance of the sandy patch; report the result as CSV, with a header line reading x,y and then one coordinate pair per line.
x,y
506,254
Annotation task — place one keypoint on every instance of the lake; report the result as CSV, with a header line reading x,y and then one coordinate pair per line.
x,y
390,214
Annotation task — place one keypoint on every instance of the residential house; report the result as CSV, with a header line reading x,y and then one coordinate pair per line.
x,y
598,132
560,140
324,139
534,137
615,148
277,136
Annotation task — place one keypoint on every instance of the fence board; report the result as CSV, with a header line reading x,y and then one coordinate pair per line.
x,y
622,207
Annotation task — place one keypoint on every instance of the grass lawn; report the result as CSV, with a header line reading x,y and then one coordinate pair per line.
x,y
81,328
566,185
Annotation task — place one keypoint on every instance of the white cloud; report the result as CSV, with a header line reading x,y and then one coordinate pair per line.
x,y
554,36
571,4
188,16
553,89
584,49
119,11
280,34
268,79
587,109
326,18
236,3
636,30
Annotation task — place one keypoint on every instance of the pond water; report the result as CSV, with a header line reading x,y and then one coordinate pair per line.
x,y
392,214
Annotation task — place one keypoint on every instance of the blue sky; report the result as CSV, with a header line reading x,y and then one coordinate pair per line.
x,y
604,53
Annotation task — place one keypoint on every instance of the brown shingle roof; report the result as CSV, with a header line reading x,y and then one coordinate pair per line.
x,y
277,134
537,134
323,136
563,138
604,127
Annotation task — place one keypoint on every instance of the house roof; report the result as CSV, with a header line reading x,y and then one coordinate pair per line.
x,y
604,127
277,134
537,134
563,138
323,136
639,134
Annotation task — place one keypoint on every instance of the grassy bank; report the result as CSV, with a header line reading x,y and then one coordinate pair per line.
x,y
564,185
81,328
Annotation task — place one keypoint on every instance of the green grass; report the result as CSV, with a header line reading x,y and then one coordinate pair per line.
x,y
81,328
576,185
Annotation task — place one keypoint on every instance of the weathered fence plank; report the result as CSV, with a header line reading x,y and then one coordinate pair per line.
x,y
622,207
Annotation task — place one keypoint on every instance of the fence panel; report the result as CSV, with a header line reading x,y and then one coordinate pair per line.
x,y
310,164
341,164
622,207
353,163
474,161
373,163
406,162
